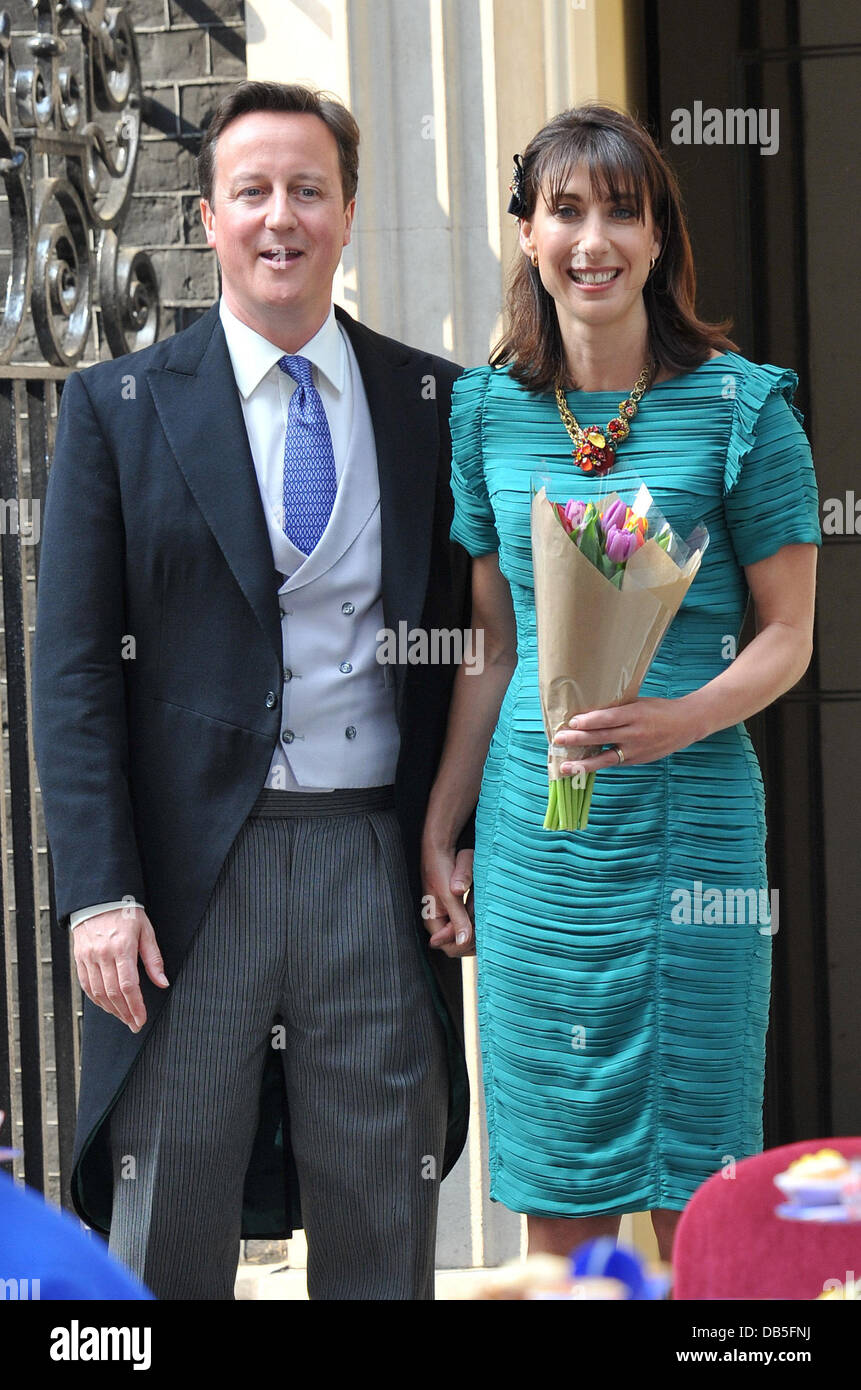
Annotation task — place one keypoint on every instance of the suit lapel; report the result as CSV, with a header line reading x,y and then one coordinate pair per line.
x,y
199,408
406,436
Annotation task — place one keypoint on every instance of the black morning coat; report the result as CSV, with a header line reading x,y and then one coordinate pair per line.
x,y
153,528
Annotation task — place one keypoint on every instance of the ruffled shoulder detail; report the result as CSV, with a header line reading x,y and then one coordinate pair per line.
x,y
468,398
473,524
752,390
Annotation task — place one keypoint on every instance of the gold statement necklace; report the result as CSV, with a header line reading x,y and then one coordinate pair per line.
x,y
595,448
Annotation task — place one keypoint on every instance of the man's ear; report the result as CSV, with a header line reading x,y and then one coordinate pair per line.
x,y
349,214
208,218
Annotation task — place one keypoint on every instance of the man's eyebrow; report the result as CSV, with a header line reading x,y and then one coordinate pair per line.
x,y
258,176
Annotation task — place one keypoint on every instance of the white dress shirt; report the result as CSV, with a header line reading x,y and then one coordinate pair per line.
x,y
265,393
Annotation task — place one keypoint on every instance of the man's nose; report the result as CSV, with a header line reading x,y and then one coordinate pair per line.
x,y
280,210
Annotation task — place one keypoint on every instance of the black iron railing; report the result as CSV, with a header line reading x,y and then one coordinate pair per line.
x,y
70,124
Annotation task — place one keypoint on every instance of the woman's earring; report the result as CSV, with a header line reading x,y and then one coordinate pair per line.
x,y
651,265
535,259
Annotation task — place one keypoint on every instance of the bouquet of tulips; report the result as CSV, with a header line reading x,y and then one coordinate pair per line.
x,y
609,579
610,537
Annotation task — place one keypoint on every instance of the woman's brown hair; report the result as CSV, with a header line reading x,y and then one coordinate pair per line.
x,y
622,161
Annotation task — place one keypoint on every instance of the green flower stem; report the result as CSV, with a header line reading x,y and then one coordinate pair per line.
x,y
567,805
552,816
586,801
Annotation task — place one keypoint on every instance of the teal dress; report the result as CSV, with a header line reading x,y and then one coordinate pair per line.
x,y
622,1013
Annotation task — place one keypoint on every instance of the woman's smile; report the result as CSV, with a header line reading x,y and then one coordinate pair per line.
x,y
592,249
592,280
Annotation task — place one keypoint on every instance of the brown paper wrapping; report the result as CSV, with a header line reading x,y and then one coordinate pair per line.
x,y
595,642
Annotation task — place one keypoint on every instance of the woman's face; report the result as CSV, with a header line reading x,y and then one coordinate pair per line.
x,y
593,253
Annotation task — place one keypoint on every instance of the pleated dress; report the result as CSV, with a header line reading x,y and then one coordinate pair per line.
x,y
622,1013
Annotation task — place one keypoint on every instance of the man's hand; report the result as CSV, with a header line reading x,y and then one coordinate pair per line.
x,y
107,947
448,919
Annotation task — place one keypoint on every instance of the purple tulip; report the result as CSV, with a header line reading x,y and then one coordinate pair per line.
x,y
619,545
614,516
574,513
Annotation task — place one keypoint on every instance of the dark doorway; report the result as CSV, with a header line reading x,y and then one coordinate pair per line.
x,y
775,241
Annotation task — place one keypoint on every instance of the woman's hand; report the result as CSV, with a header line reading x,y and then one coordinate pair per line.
x,y
782,588
645,730
476,699
446,879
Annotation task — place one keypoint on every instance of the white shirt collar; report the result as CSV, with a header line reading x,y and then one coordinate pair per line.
x,y
252,355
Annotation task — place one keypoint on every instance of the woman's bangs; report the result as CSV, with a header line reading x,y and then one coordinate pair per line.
x,y
616,169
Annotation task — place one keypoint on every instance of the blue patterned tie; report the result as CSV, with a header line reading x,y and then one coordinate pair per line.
x,y
310,480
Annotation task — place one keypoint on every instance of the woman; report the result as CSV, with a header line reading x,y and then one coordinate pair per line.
x,y
622,1038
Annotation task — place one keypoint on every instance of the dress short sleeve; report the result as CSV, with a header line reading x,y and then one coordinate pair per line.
x,y
770,494
473,525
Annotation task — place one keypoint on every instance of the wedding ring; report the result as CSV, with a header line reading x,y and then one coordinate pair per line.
x,y
619,754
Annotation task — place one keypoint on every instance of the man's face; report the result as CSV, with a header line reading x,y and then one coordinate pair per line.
x,y
278,222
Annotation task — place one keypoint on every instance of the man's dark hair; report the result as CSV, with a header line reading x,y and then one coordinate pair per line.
x,y
292,98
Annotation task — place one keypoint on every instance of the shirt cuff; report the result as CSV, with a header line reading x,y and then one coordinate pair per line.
x,y
84,912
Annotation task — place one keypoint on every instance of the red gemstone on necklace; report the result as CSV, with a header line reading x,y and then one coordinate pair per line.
x,y
607,460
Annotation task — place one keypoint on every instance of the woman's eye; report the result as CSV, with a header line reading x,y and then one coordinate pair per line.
x,y
624,212
565,212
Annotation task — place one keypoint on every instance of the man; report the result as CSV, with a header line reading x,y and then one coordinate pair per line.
x,y
233,784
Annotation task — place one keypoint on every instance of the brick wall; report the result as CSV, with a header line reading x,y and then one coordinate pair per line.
x,y
191,53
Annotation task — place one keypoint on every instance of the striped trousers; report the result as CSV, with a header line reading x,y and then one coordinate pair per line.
x,y
309,929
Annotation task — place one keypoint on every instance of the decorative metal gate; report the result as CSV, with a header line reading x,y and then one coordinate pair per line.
x,y
70,126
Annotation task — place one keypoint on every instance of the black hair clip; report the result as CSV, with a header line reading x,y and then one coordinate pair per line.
x,y
516,204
